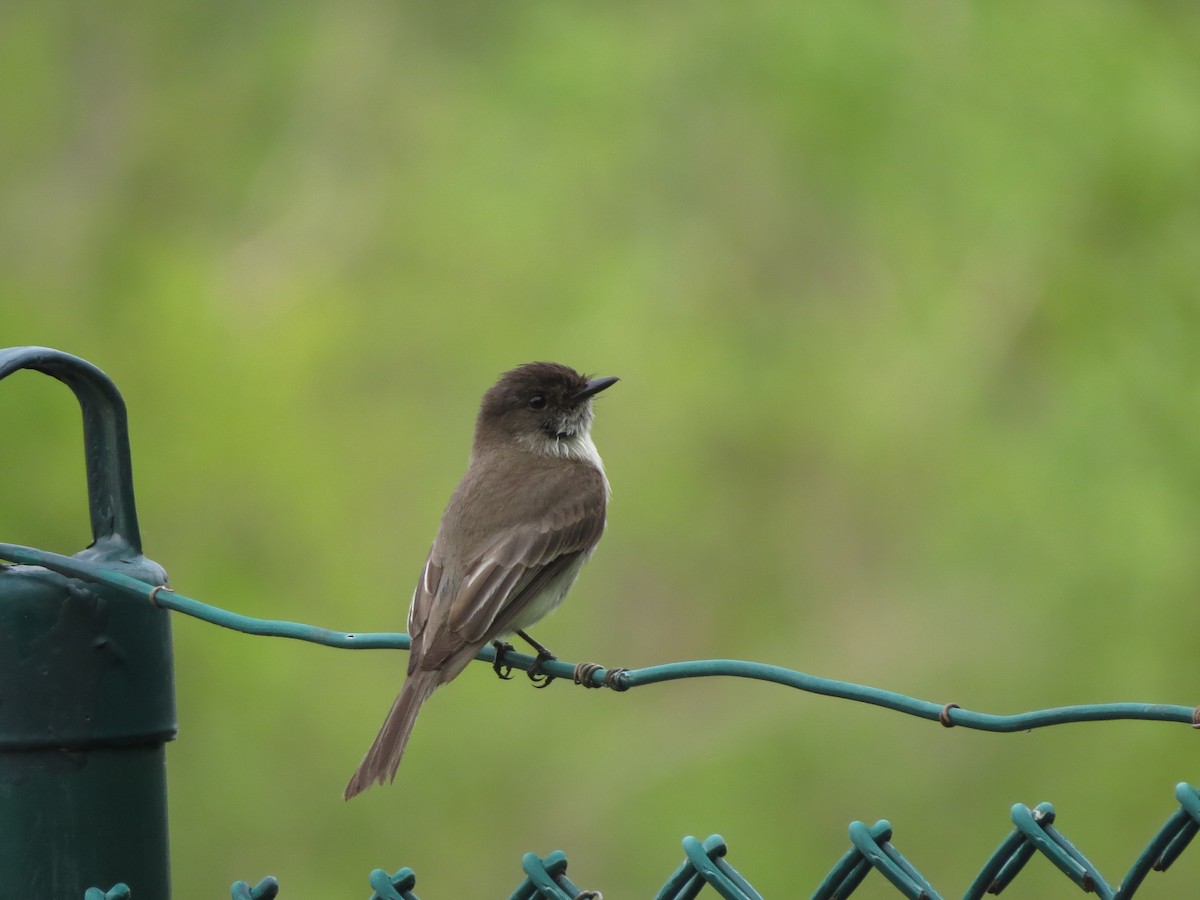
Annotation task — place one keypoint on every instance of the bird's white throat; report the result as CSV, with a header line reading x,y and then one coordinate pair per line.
x,y
579,446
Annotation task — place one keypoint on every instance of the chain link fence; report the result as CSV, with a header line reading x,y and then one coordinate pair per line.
x,y
705,866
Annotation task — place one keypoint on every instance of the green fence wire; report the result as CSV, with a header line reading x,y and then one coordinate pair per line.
x,y
948,714
871,850
704,865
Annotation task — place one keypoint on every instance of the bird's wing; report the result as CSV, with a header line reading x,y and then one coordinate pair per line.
x,y
502,580
423,594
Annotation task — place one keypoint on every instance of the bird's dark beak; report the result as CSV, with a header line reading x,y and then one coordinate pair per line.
x,y
595,386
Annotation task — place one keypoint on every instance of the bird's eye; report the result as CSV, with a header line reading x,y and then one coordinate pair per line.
x,y
537,401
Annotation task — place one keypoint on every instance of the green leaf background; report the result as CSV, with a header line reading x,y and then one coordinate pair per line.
x,y
903,297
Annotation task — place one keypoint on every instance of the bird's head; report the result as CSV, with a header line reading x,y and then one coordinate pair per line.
x,y
543,406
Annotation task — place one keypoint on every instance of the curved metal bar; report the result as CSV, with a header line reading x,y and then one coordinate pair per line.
x,y
115,533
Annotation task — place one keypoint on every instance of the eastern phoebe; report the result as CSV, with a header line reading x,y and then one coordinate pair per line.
x,y
522,522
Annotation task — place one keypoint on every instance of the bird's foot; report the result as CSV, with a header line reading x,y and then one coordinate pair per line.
x,y
612,677
539,678
536,675
499,666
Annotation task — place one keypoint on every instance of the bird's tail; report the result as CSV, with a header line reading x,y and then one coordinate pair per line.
x,y
383,759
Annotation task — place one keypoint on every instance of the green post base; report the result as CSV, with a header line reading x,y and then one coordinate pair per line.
x,y
76,820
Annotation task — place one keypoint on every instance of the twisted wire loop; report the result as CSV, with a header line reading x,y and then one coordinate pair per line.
x,y
944,715
872,850
119,891
153,597
584,674
393,887
546,879
704,865
267,889
1035,833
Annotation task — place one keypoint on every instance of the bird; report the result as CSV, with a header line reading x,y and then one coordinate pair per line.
x,y
526,516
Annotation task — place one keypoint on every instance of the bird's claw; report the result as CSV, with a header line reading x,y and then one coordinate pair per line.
x,y
539,678
499,666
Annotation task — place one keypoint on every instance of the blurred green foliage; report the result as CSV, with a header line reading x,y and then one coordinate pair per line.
x,y
904,301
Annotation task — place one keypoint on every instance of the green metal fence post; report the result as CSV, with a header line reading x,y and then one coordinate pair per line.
x,y
87,697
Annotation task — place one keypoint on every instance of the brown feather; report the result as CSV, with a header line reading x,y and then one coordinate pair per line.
x,y
383,759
